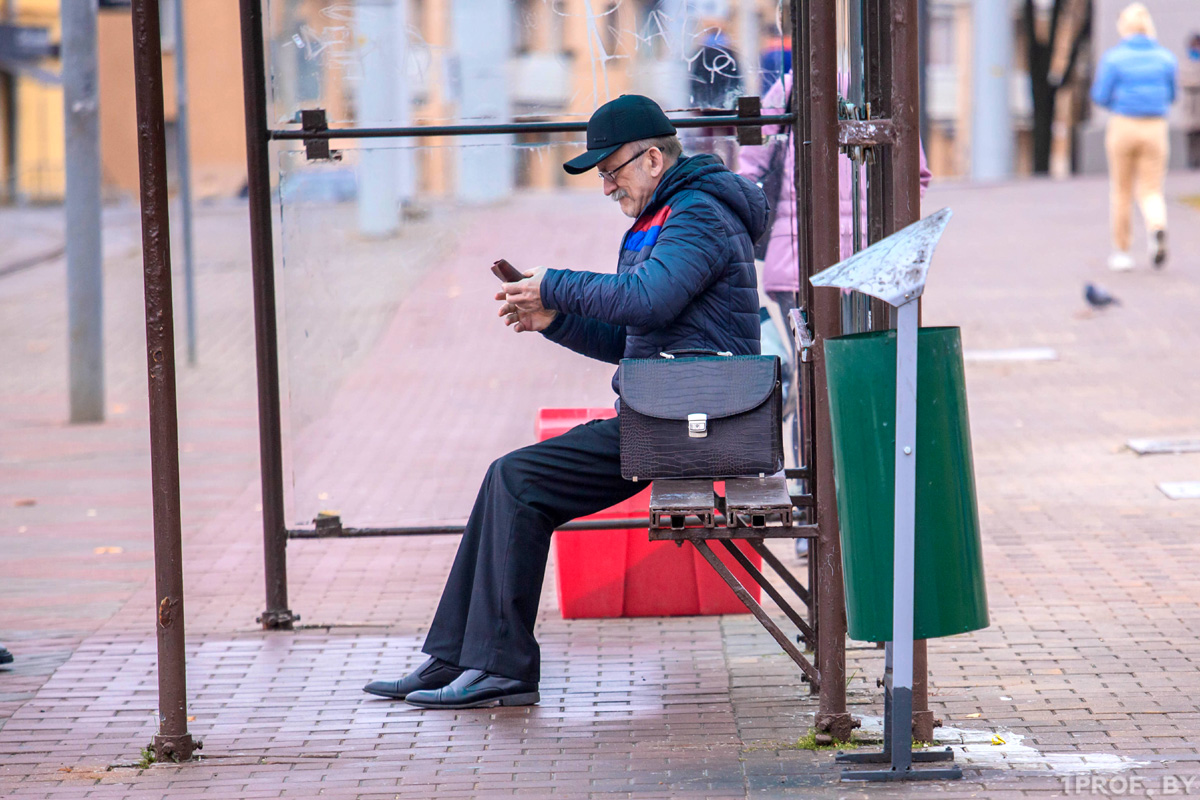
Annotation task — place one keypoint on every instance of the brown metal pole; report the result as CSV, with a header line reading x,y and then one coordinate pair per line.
x,y
172,742
818,58
277,615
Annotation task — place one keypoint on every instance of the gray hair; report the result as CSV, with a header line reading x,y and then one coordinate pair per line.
x,y
669,146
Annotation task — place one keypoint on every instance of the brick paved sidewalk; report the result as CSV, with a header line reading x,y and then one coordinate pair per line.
x,y
1089,668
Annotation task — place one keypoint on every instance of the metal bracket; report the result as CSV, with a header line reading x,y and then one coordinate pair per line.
x,y
277,620
312,120
750,107
328,523
803,335
859,134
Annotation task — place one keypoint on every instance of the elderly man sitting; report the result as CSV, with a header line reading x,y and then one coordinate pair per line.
x,y
685,280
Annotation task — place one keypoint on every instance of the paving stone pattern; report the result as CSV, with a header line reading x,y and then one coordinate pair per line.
x,y
1090,667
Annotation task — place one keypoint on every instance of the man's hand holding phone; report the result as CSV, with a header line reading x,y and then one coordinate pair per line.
x,y
522,307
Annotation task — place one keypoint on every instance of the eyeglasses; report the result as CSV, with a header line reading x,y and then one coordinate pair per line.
x,y
611,175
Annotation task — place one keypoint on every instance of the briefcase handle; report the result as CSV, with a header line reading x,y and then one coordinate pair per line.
x,y
673,353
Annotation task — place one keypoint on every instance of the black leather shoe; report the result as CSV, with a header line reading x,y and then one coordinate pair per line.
x,y
5,656
433,674
478,689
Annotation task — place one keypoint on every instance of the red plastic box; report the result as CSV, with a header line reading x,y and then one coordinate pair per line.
x,y
622,573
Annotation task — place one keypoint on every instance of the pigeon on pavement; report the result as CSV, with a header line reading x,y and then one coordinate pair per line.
x,y
1098,297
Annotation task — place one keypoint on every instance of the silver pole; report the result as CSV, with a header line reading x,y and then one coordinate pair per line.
x,y
183,151
904,558
751,59
378,173
85,262
991,117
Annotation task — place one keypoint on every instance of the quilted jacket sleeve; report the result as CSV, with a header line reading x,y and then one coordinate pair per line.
x,y
686,259
590,337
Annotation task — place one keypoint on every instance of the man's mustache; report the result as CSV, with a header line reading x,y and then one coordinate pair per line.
x,y
618,195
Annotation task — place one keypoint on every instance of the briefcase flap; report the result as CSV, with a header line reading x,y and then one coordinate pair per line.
x,y
673,388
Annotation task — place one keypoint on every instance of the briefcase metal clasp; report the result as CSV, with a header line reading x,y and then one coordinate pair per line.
x,y
697,426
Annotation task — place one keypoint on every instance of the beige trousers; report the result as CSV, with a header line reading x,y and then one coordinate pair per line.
x,y
1137,158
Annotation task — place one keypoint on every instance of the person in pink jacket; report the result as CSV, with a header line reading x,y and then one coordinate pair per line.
x,y
779,269
780,275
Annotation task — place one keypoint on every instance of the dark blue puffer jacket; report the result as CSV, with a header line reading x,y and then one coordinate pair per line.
x,y
685,278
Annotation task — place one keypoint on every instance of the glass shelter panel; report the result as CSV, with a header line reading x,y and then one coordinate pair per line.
x,y
401,384
389,63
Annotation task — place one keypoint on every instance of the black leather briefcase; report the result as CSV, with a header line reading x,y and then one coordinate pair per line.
x,y
684,415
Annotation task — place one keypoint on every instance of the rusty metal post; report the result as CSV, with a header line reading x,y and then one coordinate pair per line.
x,y
172,742
277,615
816,62
894,192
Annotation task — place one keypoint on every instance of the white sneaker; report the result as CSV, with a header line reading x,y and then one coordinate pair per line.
x,y
1120,261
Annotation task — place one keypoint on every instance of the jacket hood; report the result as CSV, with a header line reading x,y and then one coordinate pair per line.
x,y
708,174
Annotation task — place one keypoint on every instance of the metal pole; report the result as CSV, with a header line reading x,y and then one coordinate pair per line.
x,y
85,256
905,198
262,260
172,742
748,38
183,150
991,117
877,52
903,561
8,87
923,28
378,167
819,61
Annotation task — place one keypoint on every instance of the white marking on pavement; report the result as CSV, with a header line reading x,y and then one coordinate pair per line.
x,y
978,748
1181,490
1012,354
1143,447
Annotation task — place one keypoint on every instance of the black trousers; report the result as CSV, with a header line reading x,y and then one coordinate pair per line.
x,y
488,609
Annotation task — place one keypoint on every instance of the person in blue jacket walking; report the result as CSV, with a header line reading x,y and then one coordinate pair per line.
x,y
1136,81
685,279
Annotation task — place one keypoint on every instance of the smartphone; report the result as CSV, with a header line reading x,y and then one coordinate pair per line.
x,y
507,272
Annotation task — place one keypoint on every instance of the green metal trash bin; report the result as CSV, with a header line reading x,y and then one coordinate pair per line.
x,y
950,593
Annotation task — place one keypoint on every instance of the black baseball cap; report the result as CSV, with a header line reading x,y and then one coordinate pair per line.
x,y
629,118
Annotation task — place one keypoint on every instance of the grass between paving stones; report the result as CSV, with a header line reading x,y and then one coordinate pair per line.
x,y
809,742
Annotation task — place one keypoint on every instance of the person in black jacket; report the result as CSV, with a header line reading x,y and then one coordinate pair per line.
x,y
685,280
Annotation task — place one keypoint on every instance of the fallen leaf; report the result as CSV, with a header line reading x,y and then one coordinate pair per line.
x,y
998,740
976,715
103,551
191,719
25,502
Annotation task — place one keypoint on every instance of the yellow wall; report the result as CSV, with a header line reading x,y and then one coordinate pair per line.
x,y
214,75
218,143
118,125
40,153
